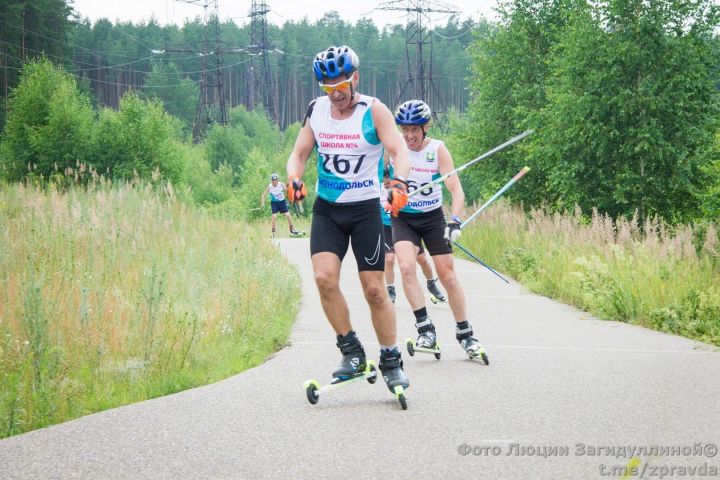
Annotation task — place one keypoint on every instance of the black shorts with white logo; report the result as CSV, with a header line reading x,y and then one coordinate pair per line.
x,y
335,225
390,245
419,228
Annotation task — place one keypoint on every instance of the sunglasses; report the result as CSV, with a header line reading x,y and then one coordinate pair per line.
x,y
342,86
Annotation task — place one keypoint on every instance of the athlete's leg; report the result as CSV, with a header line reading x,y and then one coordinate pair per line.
x,y
381,308
425,266
327,278
444,265
406,254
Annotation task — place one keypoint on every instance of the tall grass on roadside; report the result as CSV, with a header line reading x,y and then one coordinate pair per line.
x,y
662,277
114,294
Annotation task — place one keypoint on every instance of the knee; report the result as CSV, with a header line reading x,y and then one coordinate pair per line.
x,y
448,278
407,270
375,294
326,283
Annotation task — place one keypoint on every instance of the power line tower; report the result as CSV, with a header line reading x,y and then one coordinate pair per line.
x,y
262,86
211,105
416,79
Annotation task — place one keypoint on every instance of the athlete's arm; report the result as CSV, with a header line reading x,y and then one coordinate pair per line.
x,y
304,144
445,164
391,139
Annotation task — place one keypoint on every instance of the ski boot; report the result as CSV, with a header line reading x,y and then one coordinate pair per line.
x,y
272,235
391,366
427,339
473,349
435,294
353,361
295,233
391,293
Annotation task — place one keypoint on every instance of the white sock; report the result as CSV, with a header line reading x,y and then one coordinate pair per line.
x,y
386,348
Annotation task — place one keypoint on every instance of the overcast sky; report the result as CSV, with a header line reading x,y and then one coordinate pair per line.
x,y
173,11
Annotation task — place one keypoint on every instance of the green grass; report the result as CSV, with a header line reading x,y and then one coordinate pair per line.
x,y
116,294
656,276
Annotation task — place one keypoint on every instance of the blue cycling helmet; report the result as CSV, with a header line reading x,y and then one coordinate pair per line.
x,y
335,61
413,112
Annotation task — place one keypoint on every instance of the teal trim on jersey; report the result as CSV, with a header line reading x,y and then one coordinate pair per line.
x,y
407,209
385,216
381,167
325,193
368,128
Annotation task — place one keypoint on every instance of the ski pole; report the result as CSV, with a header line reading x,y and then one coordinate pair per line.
x,y
254,209
485,155
469,254
509,184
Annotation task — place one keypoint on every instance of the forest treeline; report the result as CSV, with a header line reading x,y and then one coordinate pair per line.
x,y
623,96
110,59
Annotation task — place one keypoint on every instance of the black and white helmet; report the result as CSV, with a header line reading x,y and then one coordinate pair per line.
x,y
413,112
274,176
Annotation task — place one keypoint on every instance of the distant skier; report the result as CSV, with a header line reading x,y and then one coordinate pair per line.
x,y
278,204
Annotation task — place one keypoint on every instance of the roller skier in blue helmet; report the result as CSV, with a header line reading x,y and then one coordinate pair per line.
x,y
353,133
422,220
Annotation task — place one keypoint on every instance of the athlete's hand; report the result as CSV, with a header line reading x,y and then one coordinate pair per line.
x,y
452,231
397,195
297,186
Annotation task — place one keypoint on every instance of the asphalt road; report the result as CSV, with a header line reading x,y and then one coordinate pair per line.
x,y
561,390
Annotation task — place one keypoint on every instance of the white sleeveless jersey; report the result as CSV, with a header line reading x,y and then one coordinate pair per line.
x,y
350,155
424,169
277,194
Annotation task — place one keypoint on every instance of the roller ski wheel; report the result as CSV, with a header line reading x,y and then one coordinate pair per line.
x,y
412,348
400,395
479,354
313,388
436,300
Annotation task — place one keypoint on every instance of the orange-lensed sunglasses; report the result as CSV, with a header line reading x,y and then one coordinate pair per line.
x,y
342,86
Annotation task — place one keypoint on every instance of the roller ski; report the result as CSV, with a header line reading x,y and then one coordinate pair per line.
x,y
353,367
426,341
295,234
436,296
391,366
472,347
313,388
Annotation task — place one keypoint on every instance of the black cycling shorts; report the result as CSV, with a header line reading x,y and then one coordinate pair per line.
x,y
335,225
419,228
390,245
278,207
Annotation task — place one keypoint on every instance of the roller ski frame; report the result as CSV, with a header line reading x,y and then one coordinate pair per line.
x,y
412,348
313,389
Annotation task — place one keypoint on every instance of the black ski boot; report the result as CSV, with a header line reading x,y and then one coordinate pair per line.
x,y
435,294
473,349
391,366
391,293
353,361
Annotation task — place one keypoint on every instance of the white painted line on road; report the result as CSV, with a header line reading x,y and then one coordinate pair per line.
x,y
649,353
